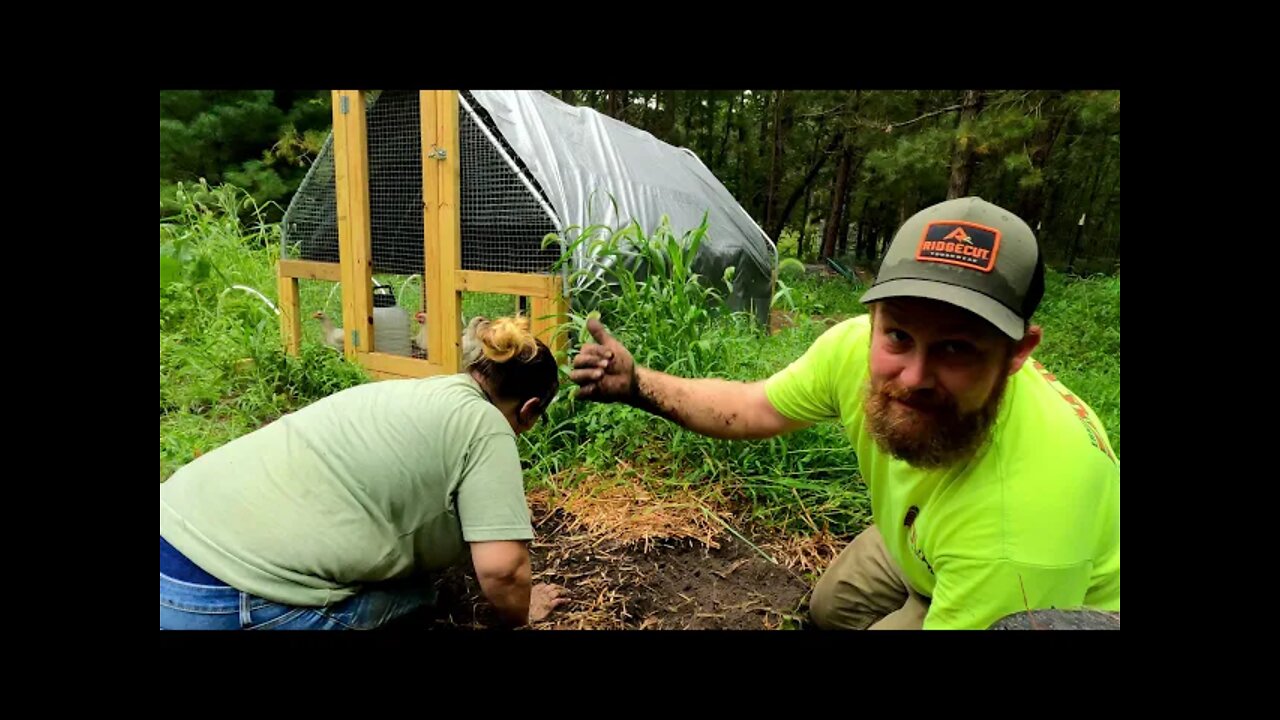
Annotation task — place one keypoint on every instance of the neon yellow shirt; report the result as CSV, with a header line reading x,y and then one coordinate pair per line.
x,y
1031,522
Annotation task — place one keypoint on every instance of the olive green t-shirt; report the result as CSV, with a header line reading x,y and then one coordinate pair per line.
x,y
377,482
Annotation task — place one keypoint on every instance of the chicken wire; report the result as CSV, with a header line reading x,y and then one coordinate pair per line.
x,y
395,182
324,297
503,215
310,228
503,220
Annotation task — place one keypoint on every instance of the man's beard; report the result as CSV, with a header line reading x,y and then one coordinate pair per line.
x,y
933,433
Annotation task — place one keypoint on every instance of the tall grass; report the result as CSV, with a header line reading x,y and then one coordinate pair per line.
x,y
671,319
222,368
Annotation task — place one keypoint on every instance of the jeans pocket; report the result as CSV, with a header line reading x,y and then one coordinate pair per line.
x,y
274,616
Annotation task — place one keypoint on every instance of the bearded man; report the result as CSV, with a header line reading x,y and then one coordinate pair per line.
x,y
994,489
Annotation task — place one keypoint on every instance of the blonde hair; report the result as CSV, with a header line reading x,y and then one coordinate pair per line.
x,y
517,365
506,338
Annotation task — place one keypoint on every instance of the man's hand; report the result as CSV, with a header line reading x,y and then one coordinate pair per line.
x,y
604,370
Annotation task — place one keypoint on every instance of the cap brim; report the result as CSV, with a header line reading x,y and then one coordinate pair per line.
x,y
1005,320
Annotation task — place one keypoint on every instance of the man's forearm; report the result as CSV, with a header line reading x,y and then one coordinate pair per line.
x,y
708,406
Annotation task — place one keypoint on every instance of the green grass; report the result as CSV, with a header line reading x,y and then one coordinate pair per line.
x,y
1081,320
223,373
490,305
813,295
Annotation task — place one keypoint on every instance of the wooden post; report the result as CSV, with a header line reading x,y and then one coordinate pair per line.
x,y
441,195
290,319
351,170
310,270
548,312
432,276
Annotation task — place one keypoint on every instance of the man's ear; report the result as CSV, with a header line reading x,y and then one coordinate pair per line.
x,y
1029,342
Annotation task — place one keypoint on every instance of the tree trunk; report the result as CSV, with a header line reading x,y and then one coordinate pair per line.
x,y
1031,199
616,103
1088,210
1047,231
782,130
708,127
862,246
690,101
724,138
802,246
962,158
820,159
775,162
832,231
762,146
744,158
844,213
668,123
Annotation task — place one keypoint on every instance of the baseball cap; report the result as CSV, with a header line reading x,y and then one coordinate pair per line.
x,y
969,253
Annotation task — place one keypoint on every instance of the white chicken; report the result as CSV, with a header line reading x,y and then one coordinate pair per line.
x,y
418,345
331,336
470,345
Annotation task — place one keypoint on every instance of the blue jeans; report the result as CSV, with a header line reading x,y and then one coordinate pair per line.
x,y
202,605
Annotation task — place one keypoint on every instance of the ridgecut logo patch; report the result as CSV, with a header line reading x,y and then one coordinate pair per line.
x,y
960,243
